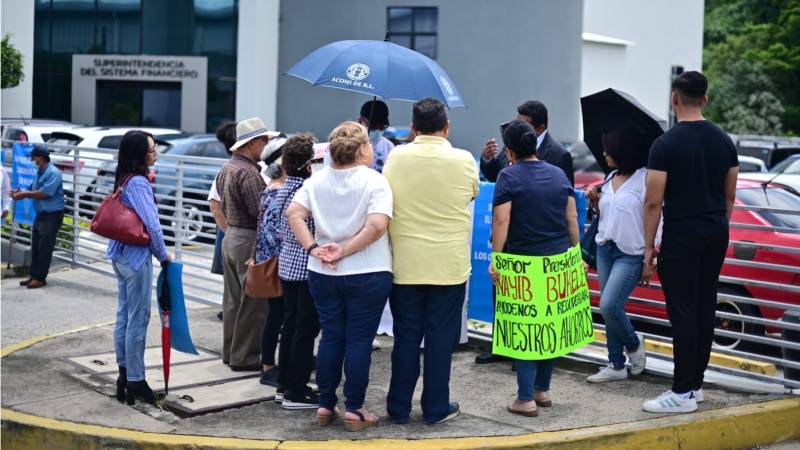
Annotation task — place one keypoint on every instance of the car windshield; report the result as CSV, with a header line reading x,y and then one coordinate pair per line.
x,y
789,166
773,198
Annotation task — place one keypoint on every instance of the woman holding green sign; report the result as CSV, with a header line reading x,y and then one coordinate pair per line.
x,y
534,215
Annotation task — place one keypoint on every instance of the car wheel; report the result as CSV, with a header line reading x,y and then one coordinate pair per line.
x,y
193,221
733,325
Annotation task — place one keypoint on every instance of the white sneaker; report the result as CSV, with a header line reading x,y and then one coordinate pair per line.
x,y
638,358
608,373
670,402
698,396
376,344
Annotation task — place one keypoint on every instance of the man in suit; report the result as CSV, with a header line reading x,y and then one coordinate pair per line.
x,y
548,148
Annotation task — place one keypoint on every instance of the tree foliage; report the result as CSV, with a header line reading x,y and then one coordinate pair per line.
x,y
752,60
11,62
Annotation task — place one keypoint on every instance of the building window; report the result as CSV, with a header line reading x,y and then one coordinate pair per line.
x,y
415,28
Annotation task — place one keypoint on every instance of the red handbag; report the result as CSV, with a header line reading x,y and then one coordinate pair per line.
x,y
114,220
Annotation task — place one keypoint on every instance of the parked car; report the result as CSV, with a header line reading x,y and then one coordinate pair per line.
x,y
34,132
770,149
748,193
749,164
197,179
587,171
90,161
786,173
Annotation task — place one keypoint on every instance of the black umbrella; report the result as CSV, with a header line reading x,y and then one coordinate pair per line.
x,y
612,109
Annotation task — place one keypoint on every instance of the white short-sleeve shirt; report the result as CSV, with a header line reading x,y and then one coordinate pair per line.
x,y
622,214
339,201
213,194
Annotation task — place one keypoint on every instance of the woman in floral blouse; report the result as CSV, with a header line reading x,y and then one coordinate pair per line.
x,y
268,246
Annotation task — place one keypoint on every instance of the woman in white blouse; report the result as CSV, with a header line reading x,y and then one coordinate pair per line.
x,y
620,249
350,268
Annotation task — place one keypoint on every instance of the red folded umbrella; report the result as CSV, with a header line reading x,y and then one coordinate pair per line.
x,y
166,338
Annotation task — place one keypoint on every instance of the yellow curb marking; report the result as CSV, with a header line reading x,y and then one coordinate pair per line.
x,y
719,359
35,340
732,427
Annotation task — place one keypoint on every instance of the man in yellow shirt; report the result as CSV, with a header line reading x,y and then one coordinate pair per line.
x,y
433,185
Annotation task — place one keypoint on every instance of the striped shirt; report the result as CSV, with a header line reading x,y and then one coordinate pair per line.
x,y
293,259
240,184
138,195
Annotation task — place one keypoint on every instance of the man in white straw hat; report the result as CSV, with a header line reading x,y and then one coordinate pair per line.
x,y
239,184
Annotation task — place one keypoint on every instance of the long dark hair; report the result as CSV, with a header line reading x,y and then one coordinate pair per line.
x,y
628,147
132,158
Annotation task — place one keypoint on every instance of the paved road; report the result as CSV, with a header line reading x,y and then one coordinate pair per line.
x,y
73,298
79,297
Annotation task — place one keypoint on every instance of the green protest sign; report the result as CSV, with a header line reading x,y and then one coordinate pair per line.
x,y
542,308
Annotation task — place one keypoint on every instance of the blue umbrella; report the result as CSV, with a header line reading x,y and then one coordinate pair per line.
x,y
378,68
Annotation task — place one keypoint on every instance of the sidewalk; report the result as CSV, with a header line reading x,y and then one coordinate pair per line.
x,y
40,381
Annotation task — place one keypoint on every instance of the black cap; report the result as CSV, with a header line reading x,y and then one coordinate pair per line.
x,y
379,114
40,150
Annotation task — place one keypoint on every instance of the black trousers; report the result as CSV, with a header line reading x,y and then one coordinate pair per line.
x,y
43,242
689,266
300,329
272,328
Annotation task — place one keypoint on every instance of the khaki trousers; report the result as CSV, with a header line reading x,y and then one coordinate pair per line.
x,y
243,317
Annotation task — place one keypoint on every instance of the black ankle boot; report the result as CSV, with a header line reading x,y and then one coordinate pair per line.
x,y
122,381
140,390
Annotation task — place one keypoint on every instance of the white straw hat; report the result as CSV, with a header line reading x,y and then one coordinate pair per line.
x,y
249,129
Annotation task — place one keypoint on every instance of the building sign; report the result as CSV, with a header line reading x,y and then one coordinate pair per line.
x,y
137,68
190,71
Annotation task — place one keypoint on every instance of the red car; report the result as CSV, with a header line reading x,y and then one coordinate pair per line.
x,y
748,193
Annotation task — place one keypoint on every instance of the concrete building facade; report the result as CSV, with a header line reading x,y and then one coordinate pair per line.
x,y
498,54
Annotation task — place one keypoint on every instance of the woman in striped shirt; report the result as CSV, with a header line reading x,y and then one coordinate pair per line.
x,y
133,265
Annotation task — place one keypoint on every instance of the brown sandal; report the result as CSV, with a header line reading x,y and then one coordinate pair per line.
x,y
327,419
361,424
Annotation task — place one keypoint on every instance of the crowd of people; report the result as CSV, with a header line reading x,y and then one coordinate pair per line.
x,y
366,223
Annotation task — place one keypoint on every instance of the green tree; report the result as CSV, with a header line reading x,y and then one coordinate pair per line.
x,y
752,60
11,62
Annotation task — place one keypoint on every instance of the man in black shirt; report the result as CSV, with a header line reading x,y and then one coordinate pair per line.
x,y
548,148
692,172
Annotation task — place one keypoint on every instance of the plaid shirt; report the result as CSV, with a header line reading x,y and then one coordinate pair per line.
x,y
293,259
239,184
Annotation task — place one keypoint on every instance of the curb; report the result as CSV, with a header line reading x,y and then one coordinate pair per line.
x,y
733,427
719,359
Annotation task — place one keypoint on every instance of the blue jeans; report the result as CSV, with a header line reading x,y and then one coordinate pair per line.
x,y
133,315
619,274
533,375
349,309
430,312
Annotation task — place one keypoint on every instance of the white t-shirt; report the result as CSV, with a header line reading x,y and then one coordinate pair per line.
x,y
339,201
622,214
213,194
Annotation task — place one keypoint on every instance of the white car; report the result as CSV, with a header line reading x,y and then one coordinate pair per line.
x,y
786,173
88,138
35,132
750,164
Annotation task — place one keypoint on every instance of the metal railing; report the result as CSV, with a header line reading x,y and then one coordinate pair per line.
x,y
753,307
180,184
